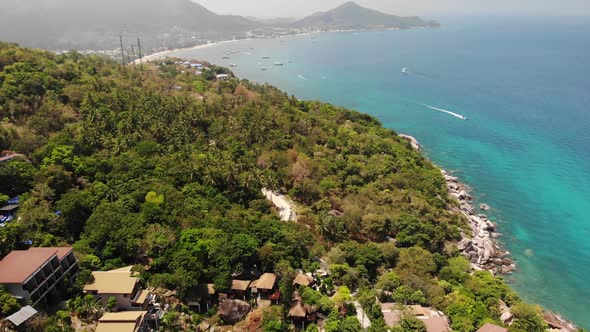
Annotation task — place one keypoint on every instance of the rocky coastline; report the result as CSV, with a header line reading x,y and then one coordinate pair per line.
x,y
481,246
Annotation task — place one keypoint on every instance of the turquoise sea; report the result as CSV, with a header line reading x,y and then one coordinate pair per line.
x,y
524,84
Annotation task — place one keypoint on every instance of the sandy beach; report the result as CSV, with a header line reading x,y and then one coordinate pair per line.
x,y
164,54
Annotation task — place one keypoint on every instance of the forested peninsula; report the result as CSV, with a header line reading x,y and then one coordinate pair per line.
x,y
161,167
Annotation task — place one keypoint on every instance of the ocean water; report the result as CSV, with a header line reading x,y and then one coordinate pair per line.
x,y
524,84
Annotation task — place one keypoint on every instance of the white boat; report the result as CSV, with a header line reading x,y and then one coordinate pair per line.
x,y
278,63
233,65
405,70
266,57
225,57
263,68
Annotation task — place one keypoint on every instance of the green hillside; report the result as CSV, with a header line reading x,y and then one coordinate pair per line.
x,y
163,170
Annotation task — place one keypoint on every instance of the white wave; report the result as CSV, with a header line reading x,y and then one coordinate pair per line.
x,y
457,115
301,77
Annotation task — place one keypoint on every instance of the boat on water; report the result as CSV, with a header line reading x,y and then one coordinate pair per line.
x,y
266,57
278,63
263,68
405,70
225,57
233,65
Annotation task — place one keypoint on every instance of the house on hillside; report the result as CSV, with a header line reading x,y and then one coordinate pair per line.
x,y
303,280
130,321
222,77
37,275
264,287
488,327
239,288
437,324
391,314
299,313
122,285
202,297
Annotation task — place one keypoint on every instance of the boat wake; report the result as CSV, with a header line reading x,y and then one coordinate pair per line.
x,y
301,77
462,117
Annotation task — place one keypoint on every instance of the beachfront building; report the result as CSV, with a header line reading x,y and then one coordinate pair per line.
x,y
122,285
37,275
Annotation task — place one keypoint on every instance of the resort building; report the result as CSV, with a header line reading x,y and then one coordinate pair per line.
x,y
488,327
303,280
298,314
437,324
202,297
130,321
239,288
122,285
265,287
37,275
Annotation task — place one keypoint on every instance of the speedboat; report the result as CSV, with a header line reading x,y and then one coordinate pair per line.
x,y
405,70
233,65
278,63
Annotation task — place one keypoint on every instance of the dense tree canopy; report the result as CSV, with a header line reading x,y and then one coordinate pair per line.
x,y
164,169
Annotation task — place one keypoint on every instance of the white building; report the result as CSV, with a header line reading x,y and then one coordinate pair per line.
x,y
222,77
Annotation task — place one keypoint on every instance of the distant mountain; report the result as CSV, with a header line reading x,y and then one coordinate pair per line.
x,y
97,24
351,16
84,24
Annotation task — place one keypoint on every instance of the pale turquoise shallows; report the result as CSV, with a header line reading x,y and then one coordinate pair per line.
x,y
524,84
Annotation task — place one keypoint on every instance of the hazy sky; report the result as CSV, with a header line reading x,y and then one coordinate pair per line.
x,y
298,8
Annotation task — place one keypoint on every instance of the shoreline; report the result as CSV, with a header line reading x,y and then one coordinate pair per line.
x,y
482,248
164,54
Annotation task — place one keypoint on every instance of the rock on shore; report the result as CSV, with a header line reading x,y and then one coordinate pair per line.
x,y
412,140
480,247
